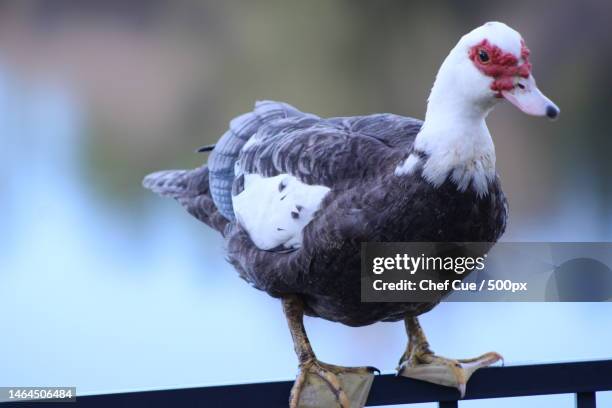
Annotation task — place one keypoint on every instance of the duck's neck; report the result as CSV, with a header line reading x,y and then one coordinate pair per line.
x,y
454,143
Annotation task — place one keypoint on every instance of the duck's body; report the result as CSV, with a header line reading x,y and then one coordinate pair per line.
x,y
295,195
366,201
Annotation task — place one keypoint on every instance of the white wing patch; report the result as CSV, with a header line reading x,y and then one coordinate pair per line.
x,y
275,210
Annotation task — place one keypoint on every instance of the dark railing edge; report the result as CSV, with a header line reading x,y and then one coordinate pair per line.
x,y
583,378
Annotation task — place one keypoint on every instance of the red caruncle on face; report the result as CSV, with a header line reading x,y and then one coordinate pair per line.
x,y
500,65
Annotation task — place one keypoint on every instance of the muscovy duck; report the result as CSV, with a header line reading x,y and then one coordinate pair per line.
x,y
294,195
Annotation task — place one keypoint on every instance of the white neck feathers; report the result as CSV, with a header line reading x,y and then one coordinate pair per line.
x,y
454,142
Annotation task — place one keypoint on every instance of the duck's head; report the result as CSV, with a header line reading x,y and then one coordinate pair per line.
x,y
489,64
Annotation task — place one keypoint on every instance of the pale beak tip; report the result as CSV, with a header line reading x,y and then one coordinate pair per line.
x,y
552,112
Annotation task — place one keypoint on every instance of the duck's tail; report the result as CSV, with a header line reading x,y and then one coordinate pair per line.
x,y
191,189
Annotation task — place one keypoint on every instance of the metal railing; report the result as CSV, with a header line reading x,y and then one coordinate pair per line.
x,y
583,379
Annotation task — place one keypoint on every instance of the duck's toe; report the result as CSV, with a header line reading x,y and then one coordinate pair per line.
x,y
324,385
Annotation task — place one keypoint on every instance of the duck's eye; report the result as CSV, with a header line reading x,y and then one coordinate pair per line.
x,y
483,56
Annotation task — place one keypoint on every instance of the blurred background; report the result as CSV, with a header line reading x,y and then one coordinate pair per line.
x,y
107,287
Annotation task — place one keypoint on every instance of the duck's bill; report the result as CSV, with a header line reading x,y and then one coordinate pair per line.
x,y
527,97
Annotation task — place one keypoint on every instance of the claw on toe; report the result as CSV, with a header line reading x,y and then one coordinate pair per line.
x,y
373,370
323,385
444,371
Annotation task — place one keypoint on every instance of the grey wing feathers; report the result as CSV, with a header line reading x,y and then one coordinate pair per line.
x,y
227,150
336,152
330,152
393,130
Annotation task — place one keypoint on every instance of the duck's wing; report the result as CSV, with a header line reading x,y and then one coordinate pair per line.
x,y
329,152
290,165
